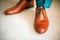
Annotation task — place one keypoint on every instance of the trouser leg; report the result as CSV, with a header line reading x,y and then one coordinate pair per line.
x,y
44,3
47,3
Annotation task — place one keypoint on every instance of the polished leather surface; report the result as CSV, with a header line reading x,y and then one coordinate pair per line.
x,y
41,20
19,7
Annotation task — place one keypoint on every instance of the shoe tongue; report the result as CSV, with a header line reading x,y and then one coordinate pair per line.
x,y
41,16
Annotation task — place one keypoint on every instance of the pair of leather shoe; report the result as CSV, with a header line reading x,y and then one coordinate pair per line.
x,y
41,20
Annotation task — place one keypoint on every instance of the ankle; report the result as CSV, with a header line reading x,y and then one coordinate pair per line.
x,y
40,8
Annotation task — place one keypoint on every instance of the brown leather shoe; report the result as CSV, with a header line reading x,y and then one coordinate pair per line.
x,y
41,20
20,7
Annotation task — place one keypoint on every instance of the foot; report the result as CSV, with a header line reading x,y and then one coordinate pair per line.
x,y
41,20
19,7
